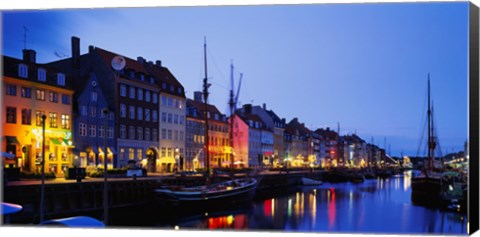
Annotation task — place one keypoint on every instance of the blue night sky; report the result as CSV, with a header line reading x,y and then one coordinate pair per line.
x,y
362,65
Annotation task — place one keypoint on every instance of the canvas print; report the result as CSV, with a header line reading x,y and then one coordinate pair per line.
x,y
316,118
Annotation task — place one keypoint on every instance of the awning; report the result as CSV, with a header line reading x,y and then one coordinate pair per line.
x,y
12,140
112,150
55,141
93,149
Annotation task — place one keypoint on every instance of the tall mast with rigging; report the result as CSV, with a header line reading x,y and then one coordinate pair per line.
x,y
205,99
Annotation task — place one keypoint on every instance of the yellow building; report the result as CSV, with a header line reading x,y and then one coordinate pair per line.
x,y
31,90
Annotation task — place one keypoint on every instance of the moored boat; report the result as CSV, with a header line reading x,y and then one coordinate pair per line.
x,y
232,191
309,182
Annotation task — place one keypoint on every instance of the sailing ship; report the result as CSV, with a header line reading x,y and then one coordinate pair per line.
x,y
427,186
235,190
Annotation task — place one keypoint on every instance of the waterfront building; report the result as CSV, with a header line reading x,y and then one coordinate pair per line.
x,y
317,145
32,90
330,142
172,111
218,132
278,139
298,143
355,151
241,145
131,93
266,133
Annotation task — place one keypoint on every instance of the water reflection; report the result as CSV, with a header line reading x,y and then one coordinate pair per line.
x,y
375,206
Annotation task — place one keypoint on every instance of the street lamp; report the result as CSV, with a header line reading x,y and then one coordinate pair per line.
x,y
105,111
42,192
177,159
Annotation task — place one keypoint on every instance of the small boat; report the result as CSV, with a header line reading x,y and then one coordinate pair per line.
x,y
9,209
75,221
309,182
231,191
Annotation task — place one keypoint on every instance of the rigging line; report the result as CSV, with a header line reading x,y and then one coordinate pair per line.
x,y
216,65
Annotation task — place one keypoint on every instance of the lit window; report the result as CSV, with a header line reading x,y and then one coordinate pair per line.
x,y
40,94
65,121
38,117
53,97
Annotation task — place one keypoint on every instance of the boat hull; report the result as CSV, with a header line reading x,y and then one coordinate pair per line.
x,y
166,197
426,190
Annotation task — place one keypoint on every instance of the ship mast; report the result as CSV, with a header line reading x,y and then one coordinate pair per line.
x,y
232,114
205,113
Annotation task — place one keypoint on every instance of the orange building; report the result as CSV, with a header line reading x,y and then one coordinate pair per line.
x,y
31,90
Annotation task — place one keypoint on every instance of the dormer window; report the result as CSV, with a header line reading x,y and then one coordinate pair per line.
x,y
142,77
151,80
23,70
179,90
171,89
42,74
131,74
61,79
216,116
164,85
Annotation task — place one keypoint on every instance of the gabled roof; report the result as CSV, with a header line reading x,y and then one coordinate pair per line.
x,y
255,118
163,75
131,64
293,126
330,134
199,107
275,117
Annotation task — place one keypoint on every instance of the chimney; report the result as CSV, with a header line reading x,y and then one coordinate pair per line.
x,y
91,48
198,96
247,108
264,106
284,121
75,52
328,128
150,63
158,63
140,60
29,55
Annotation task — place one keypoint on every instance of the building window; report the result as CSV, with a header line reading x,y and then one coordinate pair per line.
x,y
123,90
155,98
147,134
164,133
65,99
93,111
26,92
110,132
139,154
175,119
23,70
147,95
111,116
82,129
179,90
53,119
175,135
154,134
140,113
132,92
171,88
169,101
26,116
169,134
53,97
164,117
164,85
123,131
93,96
169,118
142,77
147,115
154,116
11,90
169,152
164,100
42,74
140,93
101,131
131,153
11,115
139,133
92,130
131,132
61,79
181,119
38,117
123,111
83,110
40,94
131,111
164,152
65,121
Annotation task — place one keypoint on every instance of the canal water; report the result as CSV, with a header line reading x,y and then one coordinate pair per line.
x,y
374,206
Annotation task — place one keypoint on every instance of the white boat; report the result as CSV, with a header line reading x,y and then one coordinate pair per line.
x,y
75,221
309,182
9,209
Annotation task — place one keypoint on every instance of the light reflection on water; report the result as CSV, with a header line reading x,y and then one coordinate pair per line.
x,y
375,206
